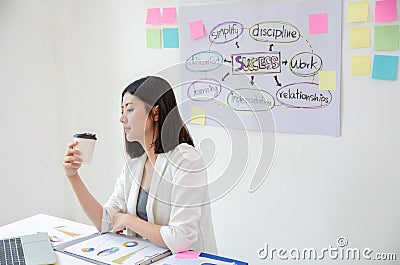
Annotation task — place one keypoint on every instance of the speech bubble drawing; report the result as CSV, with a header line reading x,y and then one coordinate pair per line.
x,y
250,99
305,64
274,32
225,32
204,90
204,61
303,95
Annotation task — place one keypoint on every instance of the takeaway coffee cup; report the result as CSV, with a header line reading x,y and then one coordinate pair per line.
x,y
86,143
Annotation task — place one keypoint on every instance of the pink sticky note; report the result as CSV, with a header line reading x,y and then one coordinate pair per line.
x,y
318,23
196,30
168,15
188,255
385,11
153,16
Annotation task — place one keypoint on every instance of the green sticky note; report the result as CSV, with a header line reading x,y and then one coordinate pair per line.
x,y
327,80
198,116
357,12
153,38
360,65
360,37
170,38
386,38
385,67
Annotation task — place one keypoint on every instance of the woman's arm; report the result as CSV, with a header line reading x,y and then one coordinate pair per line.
x,y
90,205
141,227
92,208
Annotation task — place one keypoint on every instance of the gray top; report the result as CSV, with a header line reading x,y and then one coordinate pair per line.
x,y
141,204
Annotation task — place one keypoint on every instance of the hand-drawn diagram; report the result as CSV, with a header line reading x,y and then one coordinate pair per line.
x,y
263,62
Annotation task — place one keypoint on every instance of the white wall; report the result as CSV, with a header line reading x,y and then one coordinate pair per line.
x,y
63,66
30,168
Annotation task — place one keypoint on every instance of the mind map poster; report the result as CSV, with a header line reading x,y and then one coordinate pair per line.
x,y
260,66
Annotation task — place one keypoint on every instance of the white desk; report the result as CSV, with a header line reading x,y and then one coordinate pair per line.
x,y
37,223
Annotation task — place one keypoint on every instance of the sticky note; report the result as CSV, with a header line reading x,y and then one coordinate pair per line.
x,y
357,12
153,16
327,80
386,38
385,67
188,255
360,65
168,15
170,38
198,116
196,30
153,38
318,23
385,11
360,37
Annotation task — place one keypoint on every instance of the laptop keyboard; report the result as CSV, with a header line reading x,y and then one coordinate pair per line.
x,y
11,252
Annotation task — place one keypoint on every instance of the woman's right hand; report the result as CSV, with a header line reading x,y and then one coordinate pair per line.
x,y
72,163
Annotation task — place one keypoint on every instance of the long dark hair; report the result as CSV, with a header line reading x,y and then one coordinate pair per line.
x,y
171,131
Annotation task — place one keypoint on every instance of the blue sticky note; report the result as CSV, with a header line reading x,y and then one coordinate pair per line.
x,y
170,38
385,67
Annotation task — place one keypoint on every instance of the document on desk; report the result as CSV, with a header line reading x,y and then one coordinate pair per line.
x,y
61,230
117,249
201,260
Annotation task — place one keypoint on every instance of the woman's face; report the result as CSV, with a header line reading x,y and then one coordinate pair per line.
x,y
135,119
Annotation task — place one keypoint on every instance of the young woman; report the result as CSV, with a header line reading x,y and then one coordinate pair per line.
x,y
162,192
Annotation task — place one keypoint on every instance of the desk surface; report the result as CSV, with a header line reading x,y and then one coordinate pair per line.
x,y
36,223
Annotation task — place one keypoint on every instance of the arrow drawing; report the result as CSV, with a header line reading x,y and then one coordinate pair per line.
x,y
223,78
276,80
270,47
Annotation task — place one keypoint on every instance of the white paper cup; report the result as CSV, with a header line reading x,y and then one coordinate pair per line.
x,y
86,144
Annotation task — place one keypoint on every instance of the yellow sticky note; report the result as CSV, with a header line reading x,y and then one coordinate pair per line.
x,y
360,65
198,116
357,12
360,37
327,80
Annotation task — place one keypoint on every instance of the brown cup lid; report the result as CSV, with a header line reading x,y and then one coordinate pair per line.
x,y
85,135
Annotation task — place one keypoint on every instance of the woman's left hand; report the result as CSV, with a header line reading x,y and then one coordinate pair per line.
x,y
119,222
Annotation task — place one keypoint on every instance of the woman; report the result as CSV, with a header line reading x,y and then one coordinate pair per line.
x,y
162,192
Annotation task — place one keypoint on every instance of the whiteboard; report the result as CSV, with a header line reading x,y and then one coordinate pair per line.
x,y
257,65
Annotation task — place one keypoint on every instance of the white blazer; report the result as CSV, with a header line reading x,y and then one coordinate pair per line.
x,y
178,199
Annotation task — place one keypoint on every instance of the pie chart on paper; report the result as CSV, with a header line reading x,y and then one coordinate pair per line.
x,y
108,252
87,249
130,244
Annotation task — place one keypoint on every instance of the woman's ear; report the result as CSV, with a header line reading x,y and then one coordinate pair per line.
x,y
154,112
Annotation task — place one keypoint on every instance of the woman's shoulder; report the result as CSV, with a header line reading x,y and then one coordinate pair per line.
x,y
185,150
185,153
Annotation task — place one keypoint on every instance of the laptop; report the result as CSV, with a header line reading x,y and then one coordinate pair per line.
x,y
32,249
